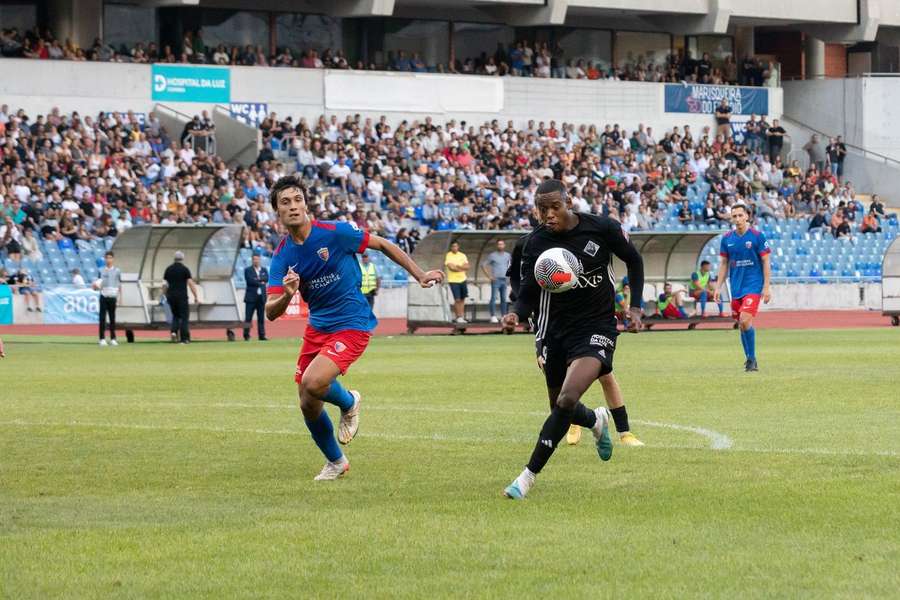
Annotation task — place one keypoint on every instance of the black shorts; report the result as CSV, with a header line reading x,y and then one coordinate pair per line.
x,y
558,352
460,291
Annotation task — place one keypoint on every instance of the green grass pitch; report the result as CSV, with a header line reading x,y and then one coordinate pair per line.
x,y
153,470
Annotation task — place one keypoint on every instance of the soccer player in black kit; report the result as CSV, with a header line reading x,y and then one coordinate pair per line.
x,y
576,330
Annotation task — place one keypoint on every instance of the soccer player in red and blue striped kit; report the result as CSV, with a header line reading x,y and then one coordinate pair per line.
x,y
744,257
318,258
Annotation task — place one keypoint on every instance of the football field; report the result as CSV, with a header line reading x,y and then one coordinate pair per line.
x,y
153,470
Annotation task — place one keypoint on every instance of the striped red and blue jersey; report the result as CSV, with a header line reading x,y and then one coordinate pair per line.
x,y
330,276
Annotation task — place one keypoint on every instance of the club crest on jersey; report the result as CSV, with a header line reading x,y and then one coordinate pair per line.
x,y
591,248
748,244
323,254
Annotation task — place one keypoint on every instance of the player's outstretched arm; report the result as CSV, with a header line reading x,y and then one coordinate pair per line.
x,y
720,279
628,254
767,276
392,251
276,304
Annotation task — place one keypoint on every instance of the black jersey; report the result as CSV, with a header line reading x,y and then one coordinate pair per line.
x,y
592,301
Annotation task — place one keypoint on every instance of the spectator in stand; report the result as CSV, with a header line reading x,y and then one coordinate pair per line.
x,y
77,278
723,117
22,282
775,140
685,216
877,206
843,231
816,152
709,213
870,223
837,152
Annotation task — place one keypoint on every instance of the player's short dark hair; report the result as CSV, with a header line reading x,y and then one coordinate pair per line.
x,y
285,183
705,262
550,186
109,253
743,207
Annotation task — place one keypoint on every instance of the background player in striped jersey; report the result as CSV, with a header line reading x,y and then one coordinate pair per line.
x,y
744,258
318,258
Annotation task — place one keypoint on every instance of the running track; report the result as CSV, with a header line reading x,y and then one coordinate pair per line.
x,y
836,319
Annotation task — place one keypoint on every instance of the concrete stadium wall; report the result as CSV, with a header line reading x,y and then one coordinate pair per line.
x,y
92,87
863,110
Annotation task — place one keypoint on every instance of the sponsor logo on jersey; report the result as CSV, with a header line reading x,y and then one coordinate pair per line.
x,y
323,281
323,253
591,279
591,248
601,340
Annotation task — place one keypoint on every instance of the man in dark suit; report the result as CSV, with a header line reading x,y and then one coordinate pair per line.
x,y
256,277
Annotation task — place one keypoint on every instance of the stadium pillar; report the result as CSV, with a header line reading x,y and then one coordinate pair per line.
x,y
78,20
744,42
815,58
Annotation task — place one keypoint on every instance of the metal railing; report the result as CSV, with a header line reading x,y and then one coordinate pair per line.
x,y
859,150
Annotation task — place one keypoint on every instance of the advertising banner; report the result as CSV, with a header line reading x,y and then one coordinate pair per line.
x,y
66,304
182,83
249,113
6,305
703,99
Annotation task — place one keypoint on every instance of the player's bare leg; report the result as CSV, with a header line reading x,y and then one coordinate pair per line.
x,y
616,403
567,410
313,387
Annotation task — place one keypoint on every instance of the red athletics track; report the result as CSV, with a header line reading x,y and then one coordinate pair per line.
x,y
825,319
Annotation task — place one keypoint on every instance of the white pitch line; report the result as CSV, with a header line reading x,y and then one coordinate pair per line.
x,y
433,437
717,441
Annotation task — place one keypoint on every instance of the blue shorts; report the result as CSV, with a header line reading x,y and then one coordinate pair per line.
x,y
460,290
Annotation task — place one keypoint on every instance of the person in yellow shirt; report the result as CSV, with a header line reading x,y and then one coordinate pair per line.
x,y
457,264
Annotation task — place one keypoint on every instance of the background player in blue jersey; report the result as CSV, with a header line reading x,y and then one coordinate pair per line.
x,y
744,257
318,258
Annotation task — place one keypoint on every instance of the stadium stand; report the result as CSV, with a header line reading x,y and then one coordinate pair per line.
x,y
519,59
76,181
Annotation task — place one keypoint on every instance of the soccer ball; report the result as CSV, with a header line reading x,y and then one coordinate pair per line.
x,y
557,270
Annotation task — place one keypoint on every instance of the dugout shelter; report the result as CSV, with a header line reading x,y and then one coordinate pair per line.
x,y
890,283
210,252
668,256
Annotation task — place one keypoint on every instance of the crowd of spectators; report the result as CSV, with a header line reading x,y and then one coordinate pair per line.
x,y
520,59
70,178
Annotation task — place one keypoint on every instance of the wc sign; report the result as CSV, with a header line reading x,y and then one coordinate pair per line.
x,y
177,83
249,113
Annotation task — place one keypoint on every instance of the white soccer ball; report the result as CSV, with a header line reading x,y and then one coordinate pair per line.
x,y
557,270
